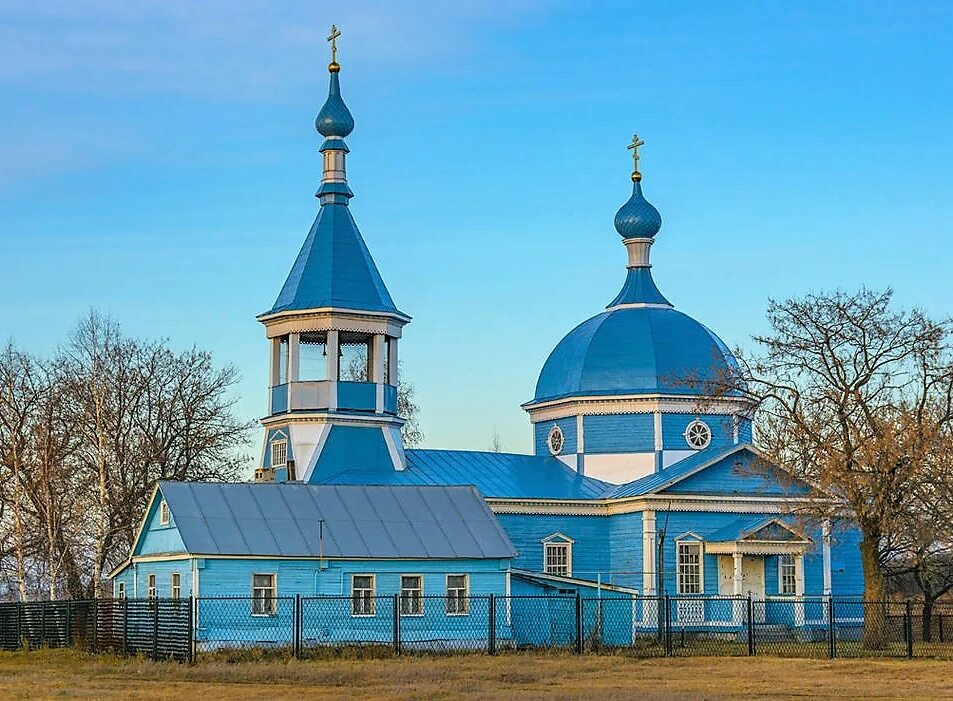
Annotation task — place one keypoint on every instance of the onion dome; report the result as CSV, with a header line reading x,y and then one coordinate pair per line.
x,y
335,118
637,218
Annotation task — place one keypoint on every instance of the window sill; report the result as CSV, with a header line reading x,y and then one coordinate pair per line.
x,y
265,615
363,615
457,614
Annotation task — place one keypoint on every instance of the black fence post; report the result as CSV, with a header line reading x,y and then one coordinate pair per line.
x,y
92,624
397,624
43,607
908,625
190,654
940,626
297,626
668,626
831,632
20,638
491,633
750,616
579,642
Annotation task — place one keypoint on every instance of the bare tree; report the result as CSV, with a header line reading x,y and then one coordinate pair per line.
x,y
854,397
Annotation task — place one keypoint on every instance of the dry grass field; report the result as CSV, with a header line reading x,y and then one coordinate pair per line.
x,y
65,674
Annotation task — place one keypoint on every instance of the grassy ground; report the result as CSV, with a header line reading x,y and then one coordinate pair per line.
x,y
67,674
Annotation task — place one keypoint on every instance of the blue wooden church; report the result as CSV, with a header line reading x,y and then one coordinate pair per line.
x,y
639,483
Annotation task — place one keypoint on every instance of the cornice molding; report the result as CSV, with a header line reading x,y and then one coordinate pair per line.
x,y
633,404
333,318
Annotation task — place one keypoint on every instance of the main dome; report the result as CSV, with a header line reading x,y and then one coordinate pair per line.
x,y
635,350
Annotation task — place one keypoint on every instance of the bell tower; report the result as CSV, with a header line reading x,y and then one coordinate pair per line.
x,y
333,334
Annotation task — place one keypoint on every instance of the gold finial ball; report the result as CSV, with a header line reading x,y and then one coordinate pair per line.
x,y
333,67
636,176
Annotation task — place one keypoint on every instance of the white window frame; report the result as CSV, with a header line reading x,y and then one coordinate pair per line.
x,y
176,585
683,570
283,442
557,436
271,603
152,590
782,565
164,514
371,598
458,598
120,590
407,602
557,544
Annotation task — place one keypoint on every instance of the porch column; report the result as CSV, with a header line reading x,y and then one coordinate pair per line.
x,y
392,362
275,369
739,607
294,340
648,553
799,589
826,553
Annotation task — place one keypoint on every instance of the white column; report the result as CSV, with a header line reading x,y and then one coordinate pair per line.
x,y
377,369
333,363
799,589
826,553
739,607
648,552
293,356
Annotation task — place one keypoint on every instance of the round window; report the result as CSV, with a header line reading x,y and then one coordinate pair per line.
x,y
698,434
555,440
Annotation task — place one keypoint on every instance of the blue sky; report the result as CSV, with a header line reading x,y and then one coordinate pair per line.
x,y
158,161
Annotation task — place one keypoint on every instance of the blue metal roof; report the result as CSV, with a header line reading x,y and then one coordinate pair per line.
x,y
501,475
670,475
376,522
639,288
634,350
744,527
334,269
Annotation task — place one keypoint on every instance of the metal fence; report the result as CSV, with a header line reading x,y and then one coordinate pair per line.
x,y
322,626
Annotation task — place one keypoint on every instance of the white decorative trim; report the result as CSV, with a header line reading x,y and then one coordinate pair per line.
x,y
316,452
648,551
698,435
580,441
826,556
397,457
758,547
639,305
633,404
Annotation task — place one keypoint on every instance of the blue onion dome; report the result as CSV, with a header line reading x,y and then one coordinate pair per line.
x,y
633,351
637,218
335,118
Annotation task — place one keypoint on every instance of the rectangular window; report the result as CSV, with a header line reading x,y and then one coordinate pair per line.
x,y
279,453
263,595
313,357
362,595
283,350
411,595
120,590
787,576
558,559
176,585
458,601
151,580
689,568
163,513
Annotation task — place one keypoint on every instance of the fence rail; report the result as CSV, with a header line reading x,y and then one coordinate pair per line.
x,y
321,626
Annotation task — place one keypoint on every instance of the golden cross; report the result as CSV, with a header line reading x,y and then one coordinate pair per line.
x,y
333,38
634,146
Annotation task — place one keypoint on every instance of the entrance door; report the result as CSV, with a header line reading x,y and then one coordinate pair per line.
x,y
752,579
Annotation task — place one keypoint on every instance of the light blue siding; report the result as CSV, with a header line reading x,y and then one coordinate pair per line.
x,y
157,538
619,433
590,552
738,474
626,550
568,426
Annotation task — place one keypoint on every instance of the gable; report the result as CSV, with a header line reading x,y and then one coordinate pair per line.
x,y
156,538
774,531
741,473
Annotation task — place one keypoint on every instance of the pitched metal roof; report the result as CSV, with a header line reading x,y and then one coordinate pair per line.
x,y
360,521
744,527
501,475
334,269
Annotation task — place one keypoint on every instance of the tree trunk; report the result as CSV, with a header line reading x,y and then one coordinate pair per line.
x,y
875,629
926,618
